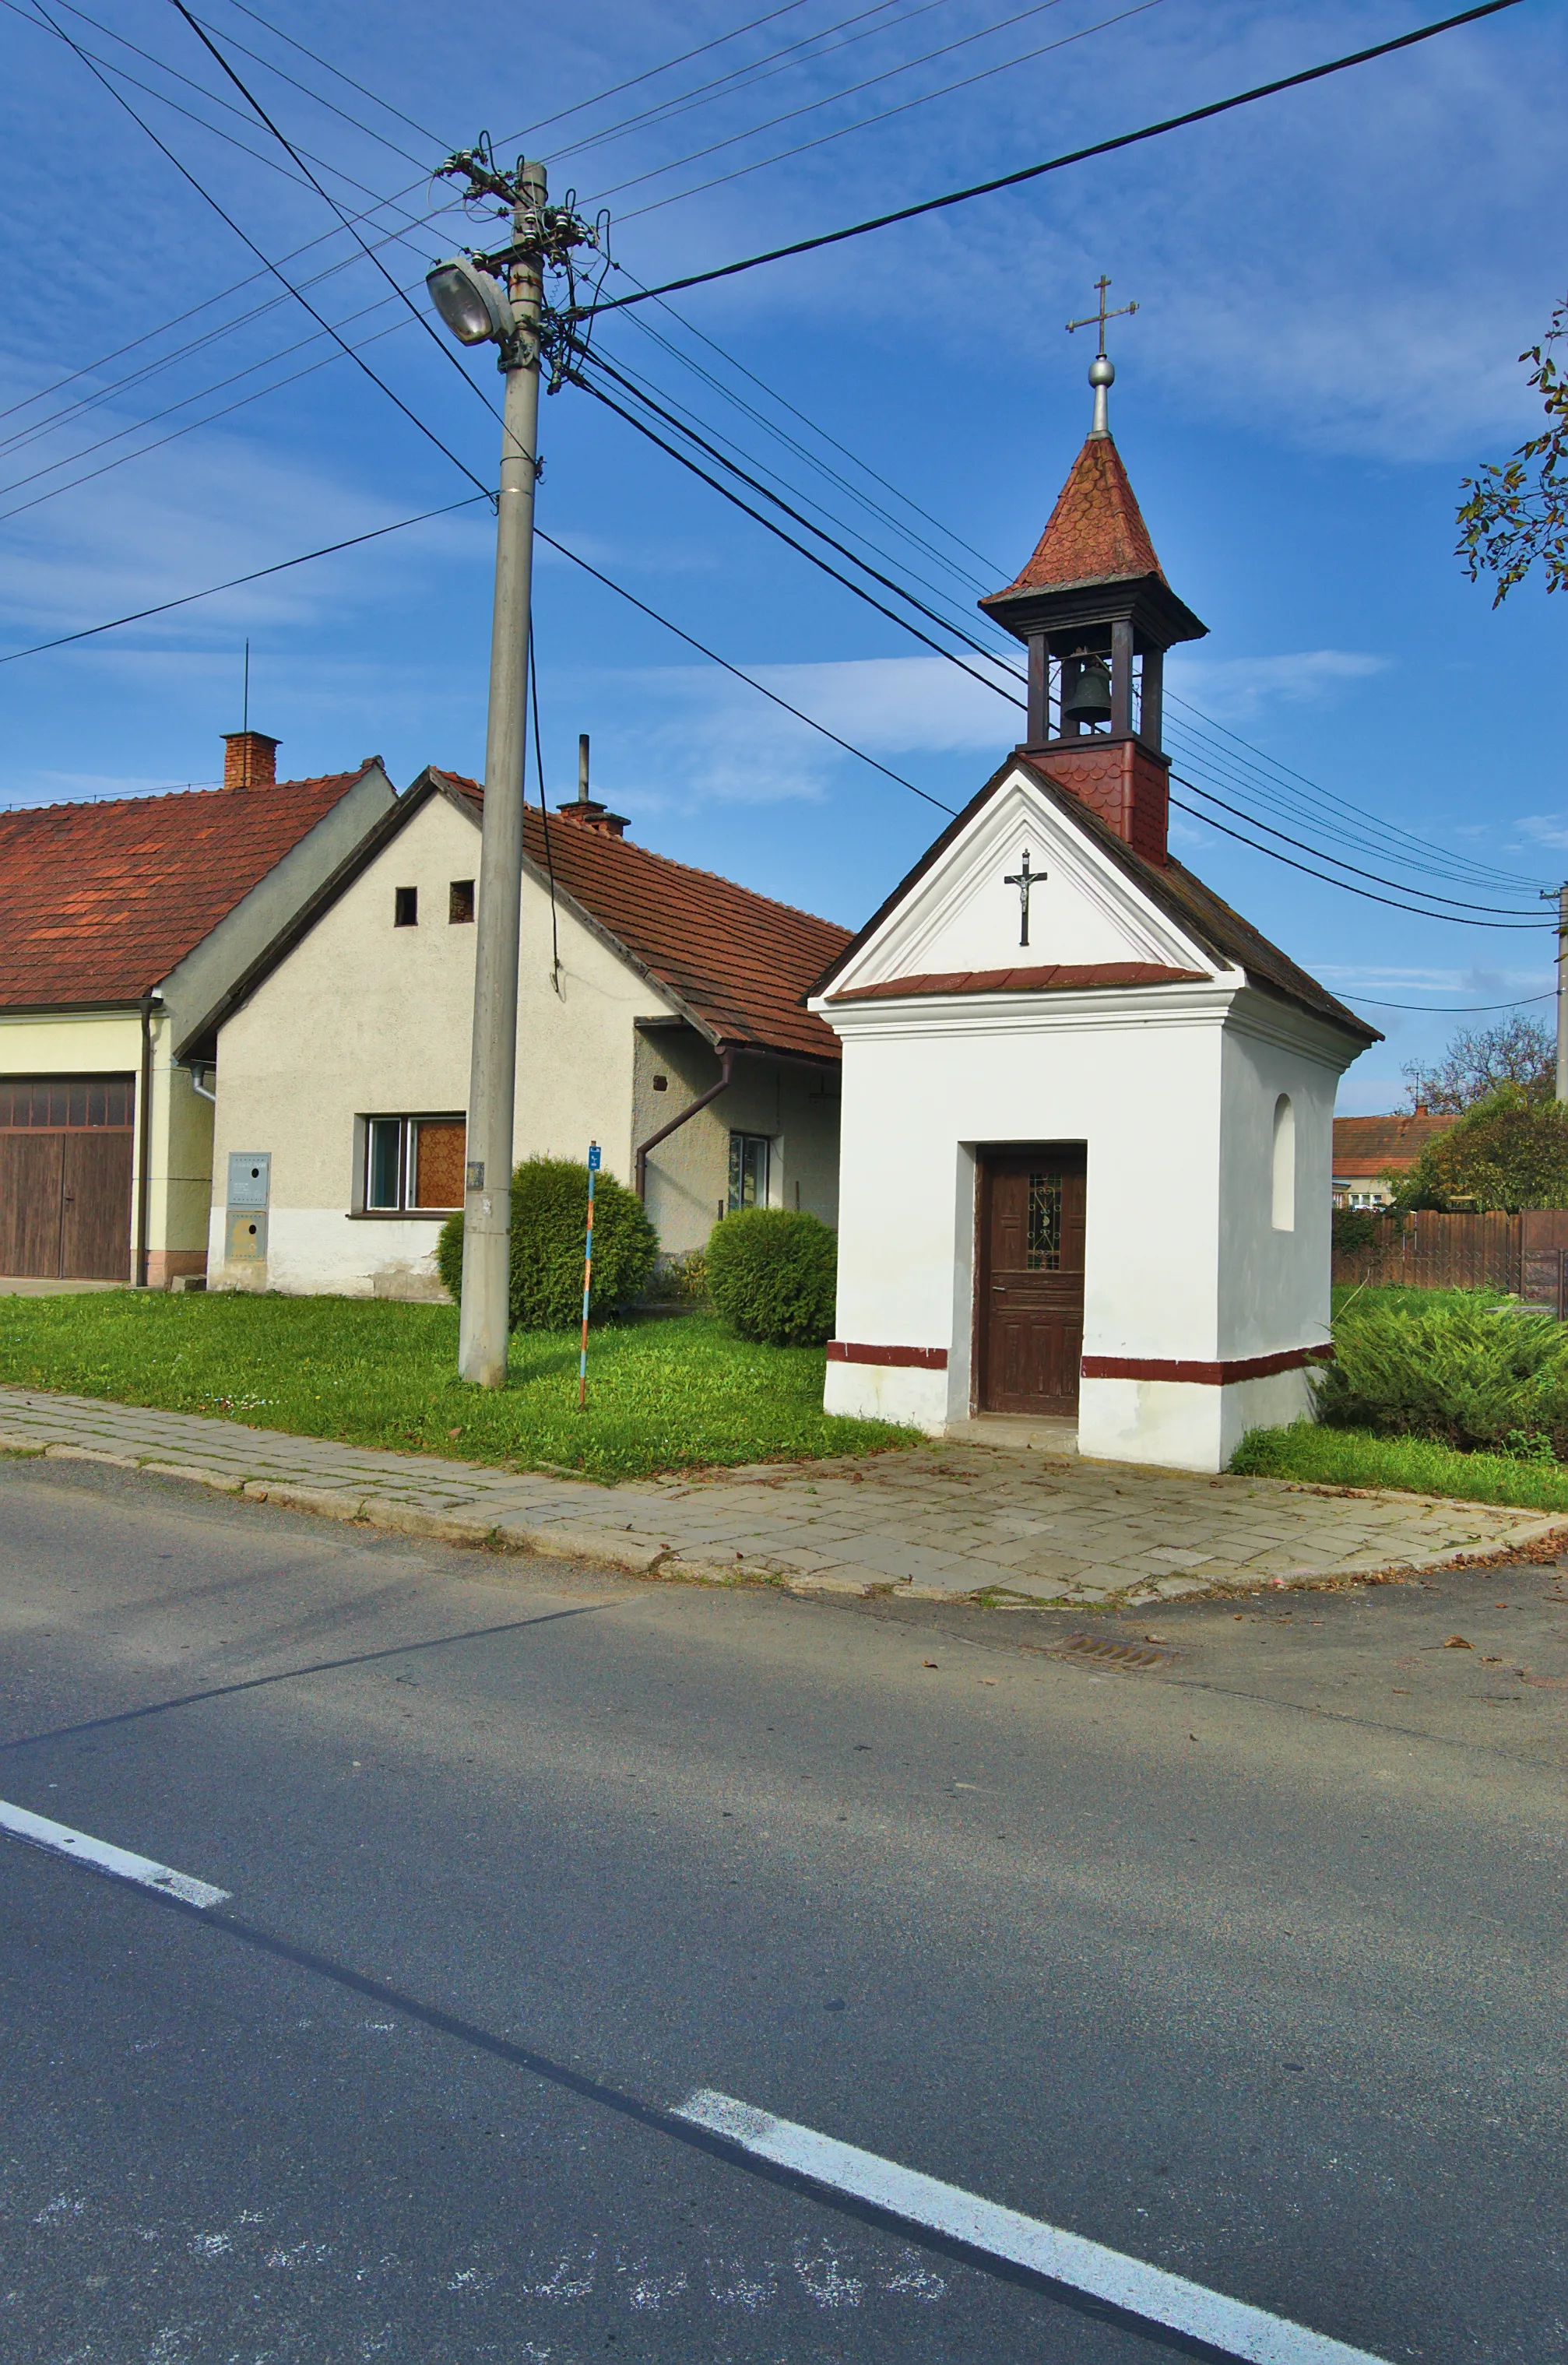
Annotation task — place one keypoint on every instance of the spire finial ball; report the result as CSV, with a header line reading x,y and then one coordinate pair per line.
x,y
1101,371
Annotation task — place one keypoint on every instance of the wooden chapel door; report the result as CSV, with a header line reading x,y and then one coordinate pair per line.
x,y
1030,1316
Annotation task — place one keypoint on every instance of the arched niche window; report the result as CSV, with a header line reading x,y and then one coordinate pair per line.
x,y
1284,1164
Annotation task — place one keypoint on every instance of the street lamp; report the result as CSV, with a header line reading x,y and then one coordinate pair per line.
x,y
474,306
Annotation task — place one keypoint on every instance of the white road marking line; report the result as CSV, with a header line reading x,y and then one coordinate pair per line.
x,y
1226,2324
61,1840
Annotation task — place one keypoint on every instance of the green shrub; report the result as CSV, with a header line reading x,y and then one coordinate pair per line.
x,y
1506,1153
549,1212
1475,1374
773,1275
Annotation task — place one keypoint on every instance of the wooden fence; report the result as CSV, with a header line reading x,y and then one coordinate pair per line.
x,y
1527,1255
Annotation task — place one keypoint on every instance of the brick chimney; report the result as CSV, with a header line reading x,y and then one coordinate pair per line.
x,y
250,761
586,811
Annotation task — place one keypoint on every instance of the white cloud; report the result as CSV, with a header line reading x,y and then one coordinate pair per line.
x,y
1237,689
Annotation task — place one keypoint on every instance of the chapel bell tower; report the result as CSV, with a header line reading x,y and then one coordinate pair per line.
x,y
1096,614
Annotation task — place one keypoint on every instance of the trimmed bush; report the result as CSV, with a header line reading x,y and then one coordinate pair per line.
x,y
773,1275
549,1211
1480,1374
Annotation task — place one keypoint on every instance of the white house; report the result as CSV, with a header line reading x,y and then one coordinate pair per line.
x,y
1088,1110
122,923
660,1011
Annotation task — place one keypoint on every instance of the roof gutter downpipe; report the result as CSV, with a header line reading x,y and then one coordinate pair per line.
x,y
726,1068
144,1131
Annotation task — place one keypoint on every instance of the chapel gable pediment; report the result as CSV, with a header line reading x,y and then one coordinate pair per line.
x,y
961,916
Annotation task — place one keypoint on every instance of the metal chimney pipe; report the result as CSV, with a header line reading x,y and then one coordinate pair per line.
x,y
582,768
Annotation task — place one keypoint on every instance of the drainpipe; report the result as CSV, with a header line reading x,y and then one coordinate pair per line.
x,y
144,1111
726,1065
196,1070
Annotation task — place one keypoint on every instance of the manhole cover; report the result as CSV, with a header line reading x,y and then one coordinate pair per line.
x,y
1102,1652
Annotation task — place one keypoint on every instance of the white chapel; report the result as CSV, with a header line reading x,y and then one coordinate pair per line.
x,y
1088,1110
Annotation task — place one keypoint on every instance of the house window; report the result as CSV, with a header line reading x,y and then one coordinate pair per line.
x,y
404,907
1284,1164
748,1170
460,901
413,1163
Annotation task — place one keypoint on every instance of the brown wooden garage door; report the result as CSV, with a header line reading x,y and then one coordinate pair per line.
x,y
65,1177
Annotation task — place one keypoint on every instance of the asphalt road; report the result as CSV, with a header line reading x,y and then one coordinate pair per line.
x,y
1245,1962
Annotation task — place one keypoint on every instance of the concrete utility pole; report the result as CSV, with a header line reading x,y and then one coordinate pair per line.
x,y
500,298
492,1085
1563,993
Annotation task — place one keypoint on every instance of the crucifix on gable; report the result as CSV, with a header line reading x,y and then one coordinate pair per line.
x,y
1024,878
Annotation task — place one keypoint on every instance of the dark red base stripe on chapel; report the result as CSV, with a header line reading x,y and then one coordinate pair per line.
x,y
1210,1375
904,1359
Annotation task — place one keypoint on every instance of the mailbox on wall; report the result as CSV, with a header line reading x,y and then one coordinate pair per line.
x,y
250,1184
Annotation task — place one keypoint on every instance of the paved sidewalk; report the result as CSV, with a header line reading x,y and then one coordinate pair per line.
x,y
944,1522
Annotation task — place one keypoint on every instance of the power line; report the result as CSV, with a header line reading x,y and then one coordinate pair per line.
x,y
1054,163
1343,884
318,99
278,34
187,599
1285,839
887,581
883,114
1450,1009
852,90
424,320
746,77
763,691
187,175
814,557
649,72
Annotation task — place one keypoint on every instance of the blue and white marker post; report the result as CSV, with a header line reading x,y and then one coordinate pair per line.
x,y
594,1160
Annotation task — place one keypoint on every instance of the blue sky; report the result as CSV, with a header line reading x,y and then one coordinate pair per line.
x,y
1333,287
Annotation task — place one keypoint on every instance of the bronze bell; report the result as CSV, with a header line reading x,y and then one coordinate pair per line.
x,y
1089,700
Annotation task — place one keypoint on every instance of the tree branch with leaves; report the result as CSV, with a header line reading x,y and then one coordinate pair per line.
x,y
1517,513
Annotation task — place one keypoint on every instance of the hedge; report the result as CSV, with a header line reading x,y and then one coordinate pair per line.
x,y
773,1275
549,1211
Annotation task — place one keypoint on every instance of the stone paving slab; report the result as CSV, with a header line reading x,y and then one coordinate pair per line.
x,y
948,1521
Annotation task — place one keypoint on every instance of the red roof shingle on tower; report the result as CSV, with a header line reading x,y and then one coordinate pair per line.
x,y
739,962
98,902
1096,531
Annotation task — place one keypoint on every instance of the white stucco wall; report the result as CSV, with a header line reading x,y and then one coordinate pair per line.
x,y
1173,1089
363,1018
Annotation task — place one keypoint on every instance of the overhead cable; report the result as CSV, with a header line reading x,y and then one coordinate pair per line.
x,y
188,599
1054,163
882,115
413,417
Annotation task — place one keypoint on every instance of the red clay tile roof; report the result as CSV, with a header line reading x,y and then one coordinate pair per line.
x,y
740,963
1366,1147
98,902
1060,977
1096,531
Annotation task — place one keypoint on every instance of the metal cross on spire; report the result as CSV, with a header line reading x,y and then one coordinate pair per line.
x,y
1024,878
1102,369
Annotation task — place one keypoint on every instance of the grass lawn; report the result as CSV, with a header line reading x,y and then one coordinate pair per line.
x,y
662,1394
1355,1457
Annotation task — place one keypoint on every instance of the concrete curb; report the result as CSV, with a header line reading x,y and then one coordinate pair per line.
x,y
632,1554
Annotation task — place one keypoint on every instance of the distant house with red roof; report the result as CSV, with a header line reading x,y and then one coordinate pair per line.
x,y
1368,1149
661,1012
122,923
